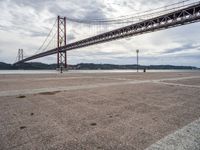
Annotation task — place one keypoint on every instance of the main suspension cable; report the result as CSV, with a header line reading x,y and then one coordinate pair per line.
x,y
51,30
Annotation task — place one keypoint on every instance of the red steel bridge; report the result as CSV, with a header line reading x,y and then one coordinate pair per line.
x,y
173,17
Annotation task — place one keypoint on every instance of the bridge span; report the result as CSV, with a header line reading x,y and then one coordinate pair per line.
x,y
183,16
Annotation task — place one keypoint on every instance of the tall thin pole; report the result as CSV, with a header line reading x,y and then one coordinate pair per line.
x,y
58,42
137,51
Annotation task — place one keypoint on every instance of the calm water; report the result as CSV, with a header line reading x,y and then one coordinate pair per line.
x,y
84,71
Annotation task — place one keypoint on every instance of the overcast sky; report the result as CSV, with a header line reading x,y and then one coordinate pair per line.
x,y
26,23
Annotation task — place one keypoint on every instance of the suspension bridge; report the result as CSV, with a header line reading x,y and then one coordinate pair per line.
x,y
166,17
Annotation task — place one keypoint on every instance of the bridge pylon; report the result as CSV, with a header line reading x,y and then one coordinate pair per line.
x,y
61,41
20,55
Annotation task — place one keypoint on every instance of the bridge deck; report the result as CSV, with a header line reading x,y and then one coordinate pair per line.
x,y
98,111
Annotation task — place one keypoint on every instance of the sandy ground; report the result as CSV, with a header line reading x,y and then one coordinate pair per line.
x,y
95,111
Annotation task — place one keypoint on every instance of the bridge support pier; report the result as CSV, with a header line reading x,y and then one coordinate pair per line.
x,y
20,54
61,41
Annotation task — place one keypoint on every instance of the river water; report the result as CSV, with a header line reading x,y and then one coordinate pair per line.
x,y
84,71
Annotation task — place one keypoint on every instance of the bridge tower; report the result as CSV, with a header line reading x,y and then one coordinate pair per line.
x,y
61,41
20,55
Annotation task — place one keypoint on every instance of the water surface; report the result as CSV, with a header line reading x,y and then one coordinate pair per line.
x,y
84,71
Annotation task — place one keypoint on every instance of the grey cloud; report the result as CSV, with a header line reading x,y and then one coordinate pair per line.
x,y
4,28
38,34
36,4
71,37
101,53
95,14
183,48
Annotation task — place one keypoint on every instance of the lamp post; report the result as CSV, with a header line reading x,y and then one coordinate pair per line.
x,y
137,51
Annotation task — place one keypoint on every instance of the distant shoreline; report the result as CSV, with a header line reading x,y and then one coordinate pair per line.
x,y
91,66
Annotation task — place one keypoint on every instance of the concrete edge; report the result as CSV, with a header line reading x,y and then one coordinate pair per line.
x,y
186,138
